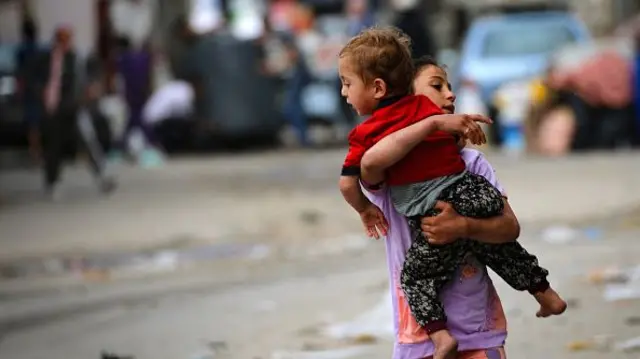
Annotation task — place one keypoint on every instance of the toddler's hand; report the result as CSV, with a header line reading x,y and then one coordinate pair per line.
x,y
374,222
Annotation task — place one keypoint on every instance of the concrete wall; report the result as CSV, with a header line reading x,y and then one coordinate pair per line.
x,y
78,14
10,22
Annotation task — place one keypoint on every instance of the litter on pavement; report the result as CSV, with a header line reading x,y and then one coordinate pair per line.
x,y
344,353
631,345
562,234
378,322
108,355
626,286
559,234
596,343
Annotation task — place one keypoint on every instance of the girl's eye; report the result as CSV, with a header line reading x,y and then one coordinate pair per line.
x,y
437,86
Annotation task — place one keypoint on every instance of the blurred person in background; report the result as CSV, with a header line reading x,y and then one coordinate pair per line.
x,y
411,20
26,61
588,107
631,29
61,88
93,126
636,87
169,109
549,123
302,44
279,14
93,93
359,16
599,94
181,37
135,66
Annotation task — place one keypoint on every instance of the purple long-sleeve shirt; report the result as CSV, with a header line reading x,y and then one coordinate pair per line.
x,y
474,311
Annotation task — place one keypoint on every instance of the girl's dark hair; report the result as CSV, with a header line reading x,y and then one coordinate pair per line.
x,y
420,63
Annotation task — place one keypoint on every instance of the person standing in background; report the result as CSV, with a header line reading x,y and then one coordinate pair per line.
x,y
636,87
359,17
301,45
26,61
59,84
135,64
411,20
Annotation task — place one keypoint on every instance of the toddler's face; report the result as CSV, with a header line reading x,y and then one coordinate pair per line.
x,y
361,96
432,82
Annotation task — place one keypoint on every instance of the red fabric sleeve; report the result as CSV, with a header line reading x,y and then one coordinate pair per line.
x,y
357,148
421,108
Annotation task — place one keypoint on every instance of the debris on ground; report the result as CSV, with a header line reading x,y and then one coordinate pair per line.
x,y
311,217
364,339
608,275
631,345
573,303
615,293
559,234
96,275
562,234
593,233
597,343
378,322
343,353
621,284
109,355
214,349
632,321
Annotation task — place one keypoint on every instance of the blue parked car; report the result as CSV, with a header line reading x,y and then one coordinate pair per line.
x,y
504,49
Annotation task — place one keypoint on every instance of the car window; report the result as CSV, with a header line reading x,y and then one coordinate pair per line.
x,y
510,40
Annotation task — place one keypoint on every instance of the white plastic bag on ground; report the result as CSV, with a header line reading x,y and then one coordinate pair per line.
x,y
377,322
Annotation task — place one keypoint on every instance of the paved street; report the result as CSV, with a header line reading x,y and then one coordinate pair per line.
x,y
268,197
315,272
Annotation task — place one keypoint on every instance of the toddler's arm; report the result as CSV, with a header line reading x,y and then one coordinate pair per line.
x,y
352,193
394,147
371,216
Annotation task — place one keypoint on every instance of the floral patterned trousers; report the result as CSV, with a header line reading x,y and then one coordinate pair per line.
x,y
428,268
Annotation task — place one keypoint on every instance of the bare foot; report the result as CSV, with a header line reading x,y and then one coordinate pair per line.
x,y
446,346
550,303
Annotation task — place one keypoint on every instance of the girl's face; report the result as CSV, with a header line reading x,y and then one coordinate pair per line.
x,y
432,82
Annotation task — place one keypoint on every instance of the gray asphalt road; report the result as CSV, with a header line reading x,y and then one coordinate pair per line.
x,y
316,271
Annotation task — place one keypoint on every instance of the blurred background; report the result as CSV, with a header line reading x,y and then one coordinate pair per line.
x,y
521,62
217,129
